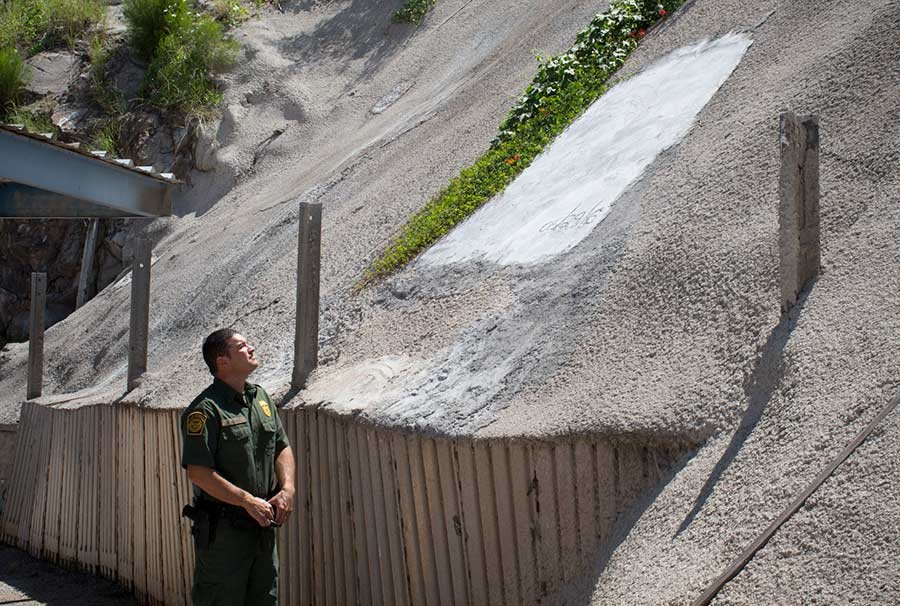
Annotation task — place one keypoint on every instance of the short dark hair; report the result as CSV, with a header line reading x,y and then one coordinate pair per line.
x,y
215,345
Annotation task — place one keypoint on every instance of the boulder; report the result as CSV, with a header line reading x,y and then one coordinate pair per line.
x,y
51,72
205,147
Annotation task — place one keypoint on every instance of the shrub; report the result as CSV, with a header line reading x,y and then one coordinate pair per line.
x,y
414,11
184,51
149,21
13,76
180,77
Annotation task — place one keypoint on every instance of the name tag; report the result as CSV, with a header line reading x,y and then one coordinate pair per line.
x,y
238,420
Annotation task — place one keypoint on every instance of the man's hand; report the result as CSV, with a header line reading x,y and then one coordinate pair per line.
x,y
259,510
283,504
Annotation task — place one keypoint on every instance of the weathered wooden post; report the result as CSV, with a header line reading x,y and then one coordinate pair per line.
x,y
140,312
798,212
306,335
36,336
86,276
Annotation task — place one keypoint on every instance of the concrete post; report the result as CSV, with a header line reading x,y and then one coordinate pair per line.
x,y
86,276
306,335
798,213
140,312
36,336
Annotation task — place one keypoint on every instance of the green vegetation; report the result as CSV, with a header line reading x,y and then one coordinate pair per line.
x,y
13,76
184,50
33,122
414,11
563,88
35,25
230,13
30,26
104,132
106,136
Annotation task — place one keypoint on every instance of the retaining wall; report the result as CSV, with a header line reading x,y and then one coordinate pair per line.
x,y
381,517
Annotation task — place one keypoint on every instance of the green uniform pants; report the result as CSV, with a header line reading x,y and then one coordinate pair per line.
x,y
240,568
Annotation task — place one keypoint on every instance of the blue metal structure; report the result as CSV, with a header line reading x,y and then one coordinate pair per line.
x,y
42,178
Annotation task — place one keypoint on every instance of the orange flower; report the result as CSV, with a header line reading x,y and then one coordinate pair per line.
x,y
513,159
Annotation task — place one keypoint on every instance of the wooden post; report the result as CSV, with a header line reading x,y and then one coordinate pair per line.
x,y
36,336
140,312
86,276
306,335
798,214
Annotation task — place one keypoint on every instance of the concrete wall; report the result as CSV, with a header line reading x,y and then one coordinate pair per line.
x,y
381,517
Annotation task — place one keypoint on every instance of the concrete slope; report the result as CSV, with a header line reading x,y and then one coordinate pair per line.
x,y
375,118
692,329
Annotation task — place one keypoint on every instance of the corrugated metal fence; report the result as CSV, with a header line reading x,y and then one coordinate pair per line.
x,y
382,517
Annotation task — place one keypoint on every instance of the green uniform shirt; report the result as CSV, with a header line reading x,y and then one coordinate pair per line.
x,y
237,434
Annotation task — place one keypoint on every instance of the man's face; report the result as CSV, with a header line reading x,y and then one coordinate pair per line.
x,y
240,357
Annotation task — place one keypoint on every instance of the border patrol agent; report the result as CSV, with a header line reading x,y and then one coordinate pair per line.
x,y
238,458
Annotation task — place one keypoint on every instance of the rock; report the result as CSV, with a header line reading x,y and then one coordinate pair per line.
x,y
51,246
148,141
8,303
51,72
128,77
67,119
115,18
110,268
205,147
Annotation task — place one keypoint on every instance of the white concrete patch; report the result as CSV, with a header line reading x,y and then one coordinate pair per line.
x,y
570,187
361,386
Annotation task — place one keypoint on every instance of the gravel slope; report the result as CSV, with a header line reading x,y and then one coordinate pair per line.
x,y
317,71
663,324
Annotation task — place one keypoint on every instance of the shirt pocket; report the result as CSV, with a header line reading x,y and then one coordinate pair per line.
x,y
237,433
267,433
234,448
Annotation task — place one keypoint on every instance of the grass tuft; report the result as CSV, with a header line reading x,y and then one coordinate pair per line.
x,y
14,75
229,13
563,88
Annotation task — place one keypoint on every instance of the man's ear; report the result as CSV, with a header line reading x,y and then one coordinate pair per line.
x,y
223,362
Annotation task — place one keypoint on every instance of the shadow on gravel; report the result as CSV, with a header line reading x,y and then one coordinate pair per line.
x,y
25,581
579,591
758,388
361,30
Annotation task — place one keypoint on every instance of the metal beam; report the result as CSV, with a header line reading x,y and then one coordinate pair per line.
x,y
68,173
24,202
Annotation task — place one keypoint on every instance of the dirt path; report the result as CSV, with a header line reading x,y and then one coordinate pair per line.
x,y
26,581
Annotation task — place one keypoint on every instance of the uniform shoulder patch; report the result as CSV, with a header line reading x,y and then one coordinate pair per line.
x,y
264,406
196,421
